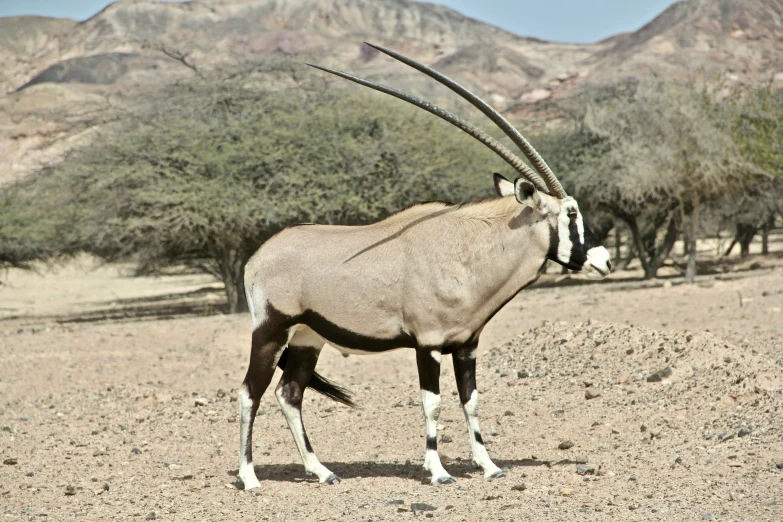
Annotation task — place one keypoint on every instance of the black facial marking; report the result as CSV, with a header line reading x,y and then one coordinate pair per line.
x,y
477,435
432,443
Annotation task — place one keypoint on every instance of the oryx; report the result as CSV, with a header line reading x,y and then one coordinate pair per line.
x,y
429,278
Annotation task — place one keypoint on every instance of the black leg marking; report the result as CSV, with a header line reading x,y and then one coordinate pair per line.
x,y
465,372
290,392
428,363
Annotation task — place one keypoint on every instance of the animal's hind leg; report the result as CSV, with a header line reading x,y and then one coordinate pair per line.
x,y
267,345
302,356
465,371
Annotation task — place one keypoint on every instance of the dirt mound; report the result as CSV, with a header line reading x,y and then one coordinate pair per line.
x,y
695,372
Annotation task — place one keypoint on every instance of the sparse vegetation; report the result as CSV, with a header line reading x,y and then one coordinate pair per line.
x,y
209,170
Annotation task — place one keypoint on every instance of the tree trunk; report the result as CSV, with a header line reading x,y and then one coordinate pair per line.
x,y
232,270
652,258
692,242
745,235
768,224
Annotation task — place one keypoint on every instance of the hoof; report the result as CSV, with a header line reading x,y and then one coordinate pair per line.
x,y
444,480
496,475
332,479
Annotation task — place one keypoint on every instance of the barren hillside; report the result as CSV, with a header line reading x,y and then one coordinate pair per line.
x,y
58,77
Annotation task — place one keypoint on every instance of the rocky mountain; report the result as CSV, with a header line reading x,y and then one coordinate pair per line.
x,y
58,76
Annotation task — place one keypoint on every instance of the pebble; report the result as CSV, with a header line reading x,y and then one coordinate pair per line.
x,y
660,375
493,431
523,374
446,439
744,432
592,393
105,486
508,413
221,393
779,465
418,507
70,490
99,453
707,516
632,478
566,492
202,401
519,487
136,451
173,465
395,502
566,444
585,469
29,474
10,462
151,516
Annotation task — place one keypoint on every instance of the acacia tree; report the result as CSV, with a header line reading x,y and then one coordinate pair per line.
x,y
653,153
757,129
210,169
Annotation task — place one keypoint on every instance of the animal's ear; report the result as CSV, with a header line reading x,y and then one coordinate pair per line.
x,y
503,186
527,194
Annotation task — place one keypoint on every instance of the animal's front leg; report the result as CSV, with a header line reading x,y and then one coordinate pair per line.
x,y
428,362
465,372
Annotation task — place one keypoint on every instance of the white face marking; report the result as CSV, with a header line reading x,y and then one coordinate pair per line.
x,y
435,354
597,264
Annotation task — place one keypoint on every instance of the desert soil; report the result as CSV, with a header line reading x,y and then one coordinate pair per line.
x,y
100,422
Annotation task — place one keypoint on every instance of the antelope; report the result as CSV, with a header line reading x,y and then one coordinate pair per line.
x,y
428,278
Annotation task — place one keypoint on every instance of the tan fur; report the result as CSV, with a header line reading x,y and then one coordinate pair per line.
x,y
433,271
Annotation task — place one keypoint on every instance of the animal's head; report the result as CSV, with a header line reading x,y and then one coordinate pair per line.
x,y
572,243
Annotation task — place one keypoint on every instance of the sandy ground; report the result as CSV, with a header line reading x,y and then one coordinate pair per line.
x,y
99,420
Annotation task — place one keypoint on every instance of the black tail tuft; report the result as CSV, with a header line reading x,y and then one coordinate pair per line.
x,y
328,388
321,384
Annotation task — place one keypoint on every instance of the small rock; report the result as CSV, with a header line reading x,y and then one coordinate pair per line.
x,y
660,375
632,478
508,413
105,486
202,401
678,460
151,516
519,487
744,432
566,492
29,474
446,439
173,465
566,444
779,465
643,428
723,437
523,374
493,432
727,359
707,516
592,393
99,453
10,462
629,351
136,451
585,469
418,507
70,490
395,502
221,393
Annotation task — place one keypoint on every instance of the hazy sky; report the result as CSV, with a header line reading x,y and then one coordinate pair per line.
x,y
559,20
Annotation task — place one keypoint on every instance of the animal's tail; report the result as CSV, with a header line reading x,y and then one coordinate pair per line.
x,y
321,384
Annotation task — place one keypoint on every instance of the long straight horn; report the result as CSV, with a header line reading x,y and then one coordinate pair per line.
x,y
510,158
555,188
